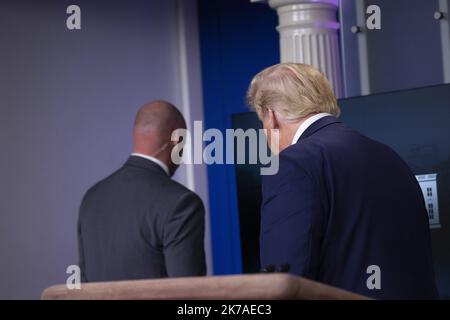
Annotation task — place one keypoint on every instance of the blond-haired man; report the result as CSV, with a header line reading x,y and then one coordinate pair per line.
x,y
343,209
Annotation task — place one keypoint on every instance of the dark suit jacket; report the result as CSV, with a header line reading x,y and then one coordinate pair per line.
x,y
342,202
138,224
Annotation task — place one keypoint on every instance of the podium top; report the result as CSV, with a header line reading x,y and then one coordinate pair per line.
x,y
236,287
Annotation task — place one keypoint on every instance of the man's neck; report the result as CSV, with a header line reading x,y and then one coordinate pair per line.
x,y
159,162
292,128
305,123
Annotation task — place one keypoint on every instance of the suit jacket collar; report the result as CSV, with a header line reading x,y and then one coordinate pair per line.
x,y
135,161
319,124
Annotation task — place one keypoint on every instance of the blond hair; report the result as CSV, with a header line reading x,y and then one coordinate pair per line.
x,y
294,90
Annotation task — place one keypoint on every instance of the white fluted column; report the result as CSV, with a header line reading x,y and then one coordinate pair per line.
x,y
309,34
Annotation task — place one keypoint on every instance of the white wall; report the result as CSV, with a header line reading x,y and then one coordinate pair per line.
x,y
67,103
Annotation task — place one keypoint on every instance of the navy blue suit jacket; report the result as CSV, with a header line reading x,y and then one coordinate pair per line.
x,y
342,202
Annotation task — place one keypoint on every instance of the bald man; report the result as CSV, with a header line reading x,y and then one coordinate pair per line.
x,y
138,223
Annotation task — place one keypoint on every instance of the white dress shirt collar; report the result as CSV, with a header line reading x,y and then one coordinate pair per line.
x,y
157,161
309,121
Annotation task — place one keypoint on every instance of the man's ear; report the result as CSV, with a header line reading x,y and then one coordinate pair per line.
x,y
273,119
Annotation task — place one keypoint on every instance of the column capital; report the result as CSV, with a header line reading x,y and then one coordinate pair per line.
x,y
303,14
280,3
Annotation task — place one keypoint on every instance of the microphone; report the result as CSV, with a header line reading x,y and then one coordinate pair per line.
x,y
284,268
268,269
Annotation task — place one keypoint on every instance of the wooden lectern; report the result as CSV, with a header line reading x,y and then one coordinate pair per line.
x,y
241,287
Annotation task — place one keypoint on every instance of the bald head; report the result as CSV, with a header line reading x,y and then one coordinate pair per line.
x,y
158,118
153,127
